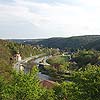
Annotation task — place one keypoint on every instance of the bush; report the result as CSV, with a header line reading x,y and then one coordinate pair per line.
x,y
22,87
85,85
82,58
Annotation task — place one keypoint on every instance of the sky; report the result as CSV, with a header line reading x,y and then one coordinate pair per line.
x,y
48,18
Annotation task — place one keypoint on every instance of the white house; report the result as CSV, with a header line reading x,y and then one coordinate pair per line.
x,y
18,57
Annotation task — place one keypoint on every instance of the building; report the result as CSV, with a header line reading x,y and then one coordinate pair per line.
x,y
48,84
18,57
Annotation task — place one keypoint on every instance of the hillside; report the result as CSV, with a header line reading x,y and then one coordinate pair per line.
x,y
26,41
5,54
93,45
75,42
72,42
7,51
73,78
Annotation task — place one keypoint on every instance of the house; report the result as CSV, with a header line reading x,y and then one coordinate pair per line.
x,y
47,84
18,57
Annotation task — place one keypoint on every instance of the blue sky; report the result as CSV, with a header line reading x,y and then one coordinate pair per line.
x,y
49,18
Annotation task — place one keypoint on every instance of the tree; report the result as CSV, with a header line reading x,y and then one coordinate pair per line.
x,y
85,84
82,58
23,87
60,92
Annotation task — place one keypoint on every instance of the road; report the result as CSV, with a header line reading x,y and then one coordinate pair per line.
x,y
18,65
42,60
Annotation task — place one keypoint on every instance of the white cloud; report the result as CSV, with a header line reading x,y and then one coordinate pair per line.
x,y
59,19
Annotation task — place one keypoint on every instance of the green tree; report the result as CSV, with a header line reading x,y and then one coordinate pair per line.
x,y
82,58
23,87
85,84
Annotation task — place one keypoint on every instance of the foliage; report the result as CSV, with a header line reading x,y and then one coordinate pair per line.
x,y
84,57
56,60
72,43
93,45
48,95
22,87
9,49
60,91
84,84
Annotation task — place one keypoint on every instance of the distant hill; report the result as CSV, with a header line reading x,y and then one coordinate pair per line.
x,y
76,42
93,45
26,41
72,42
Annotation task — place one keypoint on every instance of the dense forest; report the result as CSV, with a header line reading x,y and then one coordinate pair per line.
x,y
93,45
75,42
76,75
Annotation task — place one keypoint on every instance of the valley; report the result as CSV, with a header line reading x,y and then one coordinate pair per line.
x,y
42,69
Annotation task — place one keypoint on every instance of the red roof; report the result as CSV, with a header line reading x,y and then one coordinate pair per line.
x,y
48,84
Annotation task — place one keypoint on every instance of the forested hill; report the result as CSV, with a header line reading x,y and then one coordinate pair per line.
x,y
7,51
75,42
72,42
94,45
